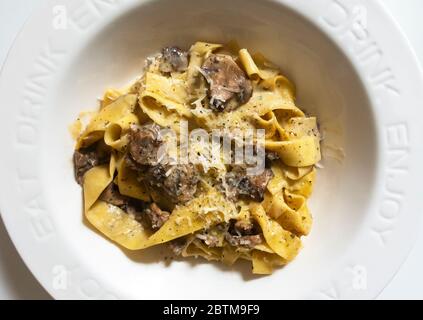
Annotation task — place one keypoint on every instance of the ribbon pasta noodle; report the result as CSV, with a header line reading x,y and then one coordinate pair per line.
x,y
139,192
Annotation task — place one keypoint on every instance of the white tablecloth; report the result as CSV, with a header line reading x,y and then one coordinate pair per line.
x,y
16,281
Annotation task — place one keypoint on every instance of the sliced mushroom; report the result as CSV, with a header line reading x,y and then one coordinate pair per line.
x,y
144,144
255,186
179,182
173,60
242,185
112,195
243,233
244,227
157,216
177,246
86,159
229,85
244,241
133,165
210,240
214,236
272,156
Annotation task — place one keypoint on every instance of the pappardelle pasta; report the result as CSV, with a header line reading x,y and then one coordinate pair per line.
x,y
151,174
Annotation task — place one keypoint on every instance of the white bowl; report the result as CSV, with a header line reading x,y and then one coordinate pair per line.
x,y
353,69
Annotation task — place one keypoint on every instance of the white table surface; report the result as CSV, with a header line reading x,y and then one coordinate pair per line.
x,y
17,282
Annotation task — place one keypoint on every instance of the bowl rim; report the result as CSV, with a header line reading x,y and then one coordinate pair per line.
x,y
395,134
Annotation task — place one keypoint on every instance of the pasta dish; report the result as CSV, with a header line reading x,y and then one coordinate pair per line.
x,y
206,153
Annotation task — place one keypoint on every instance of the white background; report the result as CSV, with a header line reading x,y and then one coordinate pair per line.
x,y
16,281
